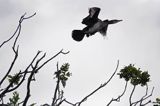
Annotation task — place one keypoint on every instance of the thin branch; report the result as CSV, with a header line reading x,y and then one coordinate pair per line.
x,y
60,52
145,97
17,31
7,89
11,66
35,69
24,73
29,16
149,95
101,86
57,86
130,98
118,98
69,102
18,28
28,88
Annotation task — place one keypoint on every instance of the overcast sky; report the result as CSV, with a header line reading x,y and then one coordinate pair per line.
x,y
135,40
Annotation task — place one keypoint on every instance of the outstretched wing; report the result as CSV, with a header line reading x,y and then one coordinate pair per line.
x,y
94,12
92,18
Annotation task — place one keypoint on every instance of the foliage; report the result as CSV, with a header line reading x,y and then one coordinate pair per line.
x,y
157,103
63,74
158,100
14,100
136,76
14,80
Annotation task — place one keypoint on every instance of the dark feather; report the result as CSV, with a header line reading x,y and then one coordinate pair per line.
x,y
103,31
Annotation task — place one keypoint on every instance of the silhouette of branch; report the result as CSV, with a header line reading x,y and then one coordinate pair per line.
x,y
130,98
119,97
69,102
148,97
7,89
18,29
35,69
145,97
34,65
11,66
57,87
60,52
28,85
58,98
100,87
25,72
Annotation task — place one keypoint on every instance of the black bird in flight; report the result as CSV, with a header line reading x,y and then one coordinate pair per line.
x,y
93,25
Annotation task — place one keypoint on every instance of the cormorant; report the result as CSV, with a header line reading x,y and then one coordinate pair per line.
x,y
93,25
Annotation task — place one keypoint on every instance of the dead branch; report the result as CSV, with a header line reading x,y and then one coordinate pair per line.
x,y
97,89
145,97
119,97
18,29
130,97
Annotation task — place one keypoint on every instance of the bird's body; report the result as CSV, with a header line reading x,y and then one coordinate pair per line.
x,y
93,25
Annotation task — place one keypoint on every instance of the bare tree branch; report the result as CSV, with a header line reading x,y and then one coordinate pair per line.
x,y
57,87
10,68
7,89
130,98
35,69
24,73
18,29
28,87
118,98
101,86
145,97
60,52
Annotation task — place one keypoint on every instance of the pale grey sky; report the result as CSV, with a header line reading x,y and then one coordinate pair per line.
x,y
135,40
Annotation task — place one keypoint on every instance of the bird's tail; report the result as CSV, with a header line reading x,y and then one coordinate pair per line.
x,y
78,35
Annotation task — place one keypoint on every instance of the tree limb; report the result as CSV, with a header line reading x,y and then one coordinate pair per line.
x,y
118,98
101,86
17,29
130,98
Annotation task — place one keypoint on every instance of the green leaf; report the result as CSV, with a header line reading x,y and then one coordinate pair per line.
x,y
14,100
134,75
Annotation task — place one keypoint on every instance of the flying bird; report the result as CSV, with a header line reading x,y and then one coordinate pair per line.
x,y
93,25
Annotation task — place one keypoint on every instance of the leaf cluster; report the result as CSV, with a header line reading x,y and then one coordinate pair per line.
x,y
14,80
14,100
134,75
158,100
63,74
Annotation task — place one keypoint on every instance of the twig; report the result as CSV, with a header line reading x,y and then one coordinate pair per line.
x,y
60,52
118,98
28,88
101,86
57,87
7,89
130,98
17,29
10,68
145,97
